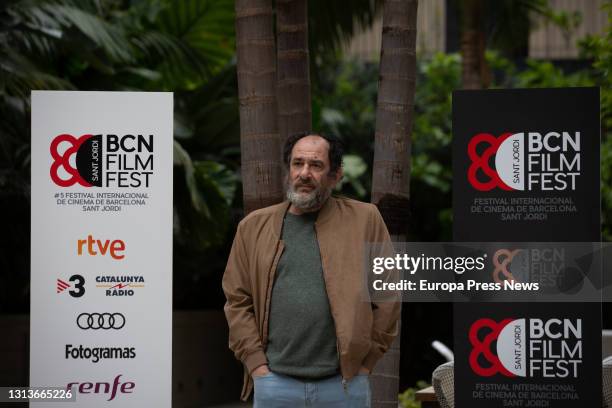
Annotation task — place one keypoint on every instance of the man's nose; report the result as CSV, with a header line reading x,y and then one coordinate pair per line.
x,y
305,172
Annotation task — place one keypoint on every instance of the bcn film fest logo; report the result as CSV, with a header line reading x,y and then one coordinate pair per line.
x,y
525,161
526,348
102,160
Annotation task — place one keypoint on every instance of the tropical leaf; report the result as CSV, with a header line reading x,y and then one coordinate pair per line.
x,y
170,53
202,221
55,19
219,178
182,158
213,114
354,168
18,76
200,37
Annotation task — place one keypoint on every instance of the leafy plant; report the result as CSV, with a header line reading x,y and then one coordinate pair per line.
x,y
407,399
186,46
344,104
353,168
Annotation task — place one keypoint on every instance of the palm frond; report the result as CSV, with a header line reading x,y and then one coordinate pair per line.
x,y
55,19
172,55
213,116
110,38
199,34
18,76
182,158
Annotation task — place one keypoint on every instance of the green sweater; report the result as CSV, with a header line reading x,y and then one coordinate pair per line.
x,y
301,334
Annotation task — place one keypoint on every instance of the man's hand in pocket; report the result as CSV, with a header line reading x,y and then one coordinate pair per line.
x,y
260,371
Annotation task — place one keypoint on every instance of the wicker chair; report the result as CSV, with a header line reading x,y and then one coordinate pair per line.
x,y
443,383
606,383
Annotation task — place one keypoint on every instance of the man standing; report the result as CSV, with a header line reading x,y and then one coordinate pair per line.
x,y
298,317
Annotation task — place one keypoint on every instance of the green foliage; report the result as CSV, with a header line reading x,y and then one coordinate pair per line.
x,y
202,210
185,46
432,137
106,45
543,74
348,91
407,399
344,103
509,22
599,48
431,150
201,31
353,168
567,21
433,103
346,99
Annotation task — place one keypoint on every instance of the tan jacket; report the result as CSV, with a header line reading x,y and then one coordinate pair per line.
x,y
364,329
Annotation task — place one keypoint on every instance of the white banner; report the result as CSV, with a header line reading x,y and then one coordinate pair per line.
x,y
101,272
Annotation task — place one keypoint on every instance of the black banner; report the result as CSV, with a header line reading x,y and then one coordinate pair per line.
x,y
526,168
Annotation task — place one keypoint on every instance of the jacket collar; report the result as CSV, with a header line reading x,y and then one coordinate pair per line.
x,y
325,213
279,216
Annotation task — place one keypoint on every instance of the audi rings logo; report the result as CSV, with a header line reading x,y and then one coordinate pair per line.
x,y
104,321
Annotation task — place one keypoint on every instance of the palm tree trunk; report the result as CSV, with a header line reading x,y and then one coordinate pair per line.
x,y
391,172
259,138
294,110
474,69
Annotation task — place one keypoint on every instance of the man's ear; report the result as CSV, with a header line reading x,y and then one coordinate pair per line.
x,y
338,176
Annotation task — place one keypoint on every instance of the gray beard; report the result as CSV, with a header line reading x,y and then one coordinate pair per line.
x,y
308,201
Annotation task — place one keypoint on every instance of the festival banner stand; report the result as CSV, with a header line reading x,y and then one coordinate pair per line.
x,y
101,250
526,168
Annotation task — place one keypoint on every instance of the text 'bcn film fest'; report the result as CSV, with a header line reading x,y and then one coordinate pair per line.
x,y
527,324
101,298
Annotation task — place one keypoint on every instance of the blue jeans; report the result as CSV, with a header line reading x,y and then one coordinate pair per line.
x,y
274,390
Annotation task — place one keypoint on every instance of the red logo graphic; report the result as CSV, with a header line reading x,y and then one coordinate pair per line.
x,y
63,160
94,247
62,286
501,259
482,347
111,390
482,162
